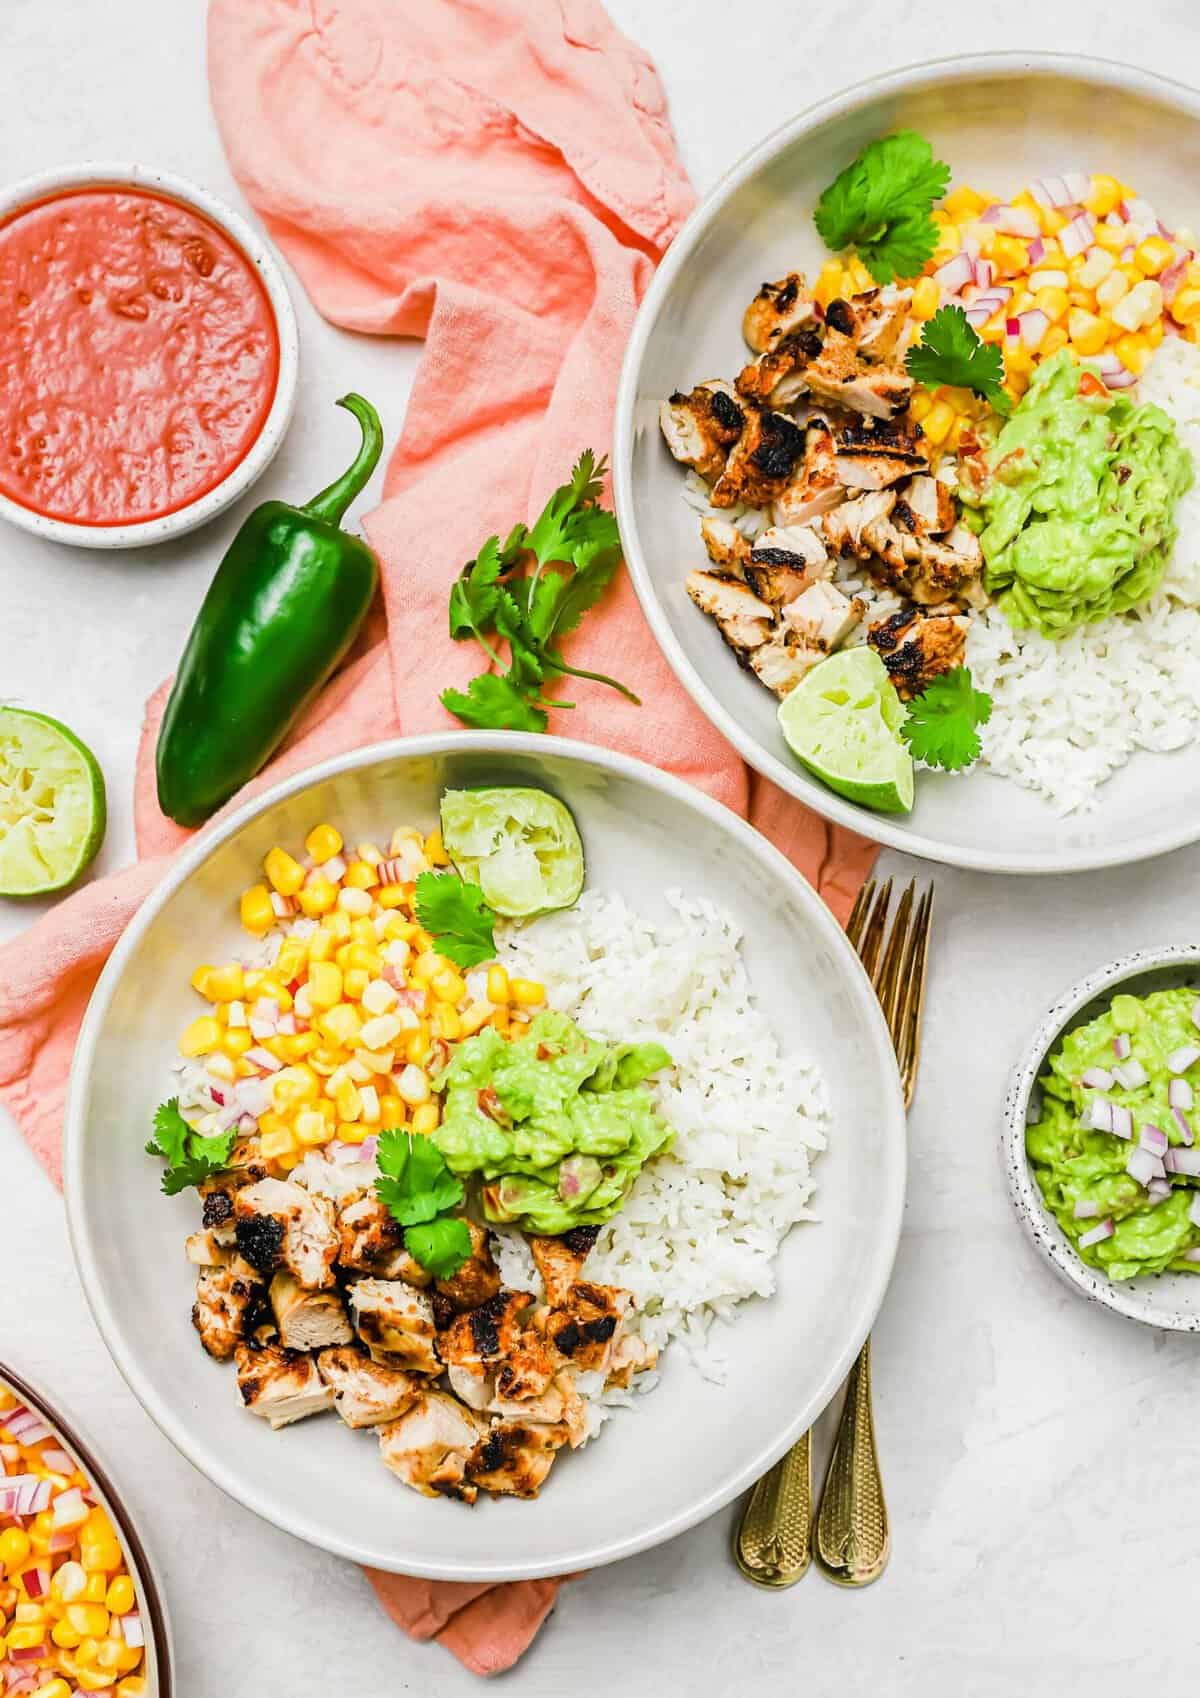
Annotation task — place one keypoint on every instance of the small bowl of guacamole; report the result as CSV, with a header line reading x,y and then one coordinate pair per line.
x,y
1102,1137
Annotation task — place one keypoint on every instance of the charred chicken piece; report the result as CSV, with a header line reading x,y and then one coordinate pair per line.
x,y
372,1241
631,1356
701,427
925,507
513,1459
365,1393
844,528
224,1308
814,487
560,1260
784,562
823,617
429,1445
484,1336
779,378
586,1325
784,661
874,453
778,310
307,1320
280,1224
855,370
395,1322
478,1279
279,1385
725,545
217,1195
742,619
916,648
205,1249
761,461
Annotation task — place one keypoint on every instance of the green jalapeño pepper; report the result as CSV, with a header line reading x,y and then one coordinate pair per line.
x,y
283,609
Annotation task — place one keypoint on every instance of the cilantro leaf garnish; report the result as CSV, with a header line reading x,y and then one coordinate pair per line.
x,y
453,911
951,352
531,592
881,205
417,1187
942,724
190,1158
441,1247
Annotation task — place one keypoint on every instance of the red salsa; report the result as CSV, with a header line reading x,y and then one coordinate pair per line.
x,y
139,356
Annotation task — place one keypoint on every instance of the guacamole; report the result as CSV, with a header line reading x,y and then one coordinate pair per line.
x,y
557,1125
1075,512
1079,1168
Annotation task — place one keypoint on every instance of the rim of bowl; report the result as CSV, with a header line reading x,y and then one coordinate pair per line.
x,y
797,784
142,532
1124,1298
160,1621
868,1298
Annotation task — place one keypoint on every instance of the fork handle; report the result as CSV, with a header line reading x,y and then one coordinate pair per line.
x,y
853,1539
773,1541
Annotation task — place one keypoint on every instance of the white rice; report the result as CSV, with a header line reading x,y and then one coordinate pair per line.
x,y
703,1224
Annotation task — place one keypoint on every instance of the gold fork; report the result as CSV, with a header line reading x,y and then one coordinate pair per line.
x,y
773,1541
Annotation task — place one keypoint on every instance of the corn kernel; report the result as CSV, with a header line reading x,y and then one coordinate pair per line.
x,y
323,843
435,849
1053,302
360,875
391,895
1111,237
412,1085
356,981
324,985
56,1688
349,1103
425,1119
829,282
1088,333
317,897
368,1098
341,1025
1133,353
378,996
200,980
200,1037
326,1060
30,1612
391,1109
448,985
312,1127
1113,289
497,981
474,1018
1141,305
1054,339
919,407
964,203
226,984
1153,255
1185,308
339,924
25,1636
91,1620
1010,256
381,1032
294,1086
64,1635
352,901
926,296
95,1588
273,1145
134,1687
936,426
418,1046
255,910
1105,197
446,1022
1154,333
320,947
14,1547
121,1597
427,965
284,872
1097,265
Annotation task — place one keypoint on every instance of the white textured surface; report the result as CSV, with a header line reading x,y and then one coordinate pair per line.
x,y
1021,1430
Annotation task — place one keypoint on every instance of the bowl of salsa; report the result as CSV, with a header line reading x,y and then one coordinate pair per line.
x,y
148,355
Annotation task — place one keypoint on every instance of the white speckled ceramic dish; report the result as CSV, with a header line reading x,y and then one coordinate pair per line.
x,y
1169,1300
267,443
691,1445
999,119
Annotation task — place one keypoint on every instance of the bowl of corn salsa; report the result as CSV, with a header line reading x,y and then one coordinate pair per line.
x,y
79,1608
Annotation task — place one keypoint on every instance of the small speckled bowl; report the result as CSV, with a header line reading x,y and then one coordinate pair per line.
x,y
1169,1300
266,444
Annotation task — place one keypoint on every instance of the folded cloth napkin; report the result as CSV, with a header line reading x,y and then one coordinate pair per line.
x,y
498,178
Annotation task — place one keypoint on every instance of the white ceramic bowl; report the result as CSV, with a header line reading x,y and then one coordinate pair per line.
x,y
266,445
1000,120
691,1446
1169,1300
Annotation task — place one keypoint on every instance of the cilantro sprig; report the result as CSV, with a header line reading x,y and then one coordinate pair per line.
x,y
456,915
943,721
419,1191
530,592
190,1158
950,351
881,205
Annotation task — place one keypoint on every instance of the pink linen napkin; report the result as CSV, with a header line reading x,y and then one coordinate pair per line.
x,y
498,178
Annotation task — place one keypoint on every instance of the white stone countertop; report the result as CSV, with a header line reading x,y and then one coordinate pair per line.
x,y
1036,1451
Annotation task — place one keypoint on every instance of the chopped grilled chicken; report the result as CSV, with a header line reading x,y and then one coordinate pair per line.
x,y
560,1260
307,1320
873,453
559,1403
280,1224
395,1322
854,369
484,1336
761,461
843,528
778,378
928,570
725,545
217,1195
372,1241
586,1325
784,562
879,322
701,427
513,1459
365,1393
814,486
742,619
925,507
823,617
222,1311
281,1386
784,661
474,1386
915,648
429,1445
778,310
205,1250
775,582
800,542
632,1355
478,1279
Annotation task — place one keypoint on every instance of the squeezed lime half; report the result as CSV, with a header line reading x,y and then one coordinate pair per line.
x,y
52,807
843,721
520,846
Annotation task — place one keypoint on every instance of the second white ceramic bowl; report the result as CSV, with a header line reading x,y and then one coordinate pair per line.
x,y
248,470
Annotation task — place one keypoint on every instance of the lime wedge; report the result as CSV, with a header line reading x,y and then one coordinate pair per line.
x,y
520,846
843,722
52,810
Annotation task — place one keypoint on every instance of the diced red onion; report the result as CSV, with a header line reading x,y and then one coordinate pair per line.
x,y
1121,1044
286,1025
1012,329
954,273
67,1505
266,1008
1130,1075
1076,237
1086,1210
1143,1165
1158,1190
1096,1234
984,272
1153,1138
254,1096
1139,211
62,1542
1170,279
1182,1058
247,1124
970,246
1181,1120
229,1115
1098,1115
282,906
1034,325
36,1580
56,1458
333,869
1011,220
26,1654
1078,185
1097,1079
1122,1121
132,1630
1186,1162
26,1426
977,316
1120,379
260,1029
1037,249
263,1058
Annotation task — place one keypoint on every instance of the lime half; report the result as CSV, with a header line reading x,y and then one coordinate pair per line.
x,y
843,721
520,846
52,810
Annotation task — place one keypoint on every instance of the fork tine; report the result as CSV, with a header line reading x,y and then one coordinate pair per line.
x,y
872,938
858,913
909,1034
890,980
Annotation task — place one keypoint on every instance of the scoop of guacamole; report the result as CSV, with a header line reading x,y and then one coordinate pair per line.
x,y
1075,512
557,1125
1075,1165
